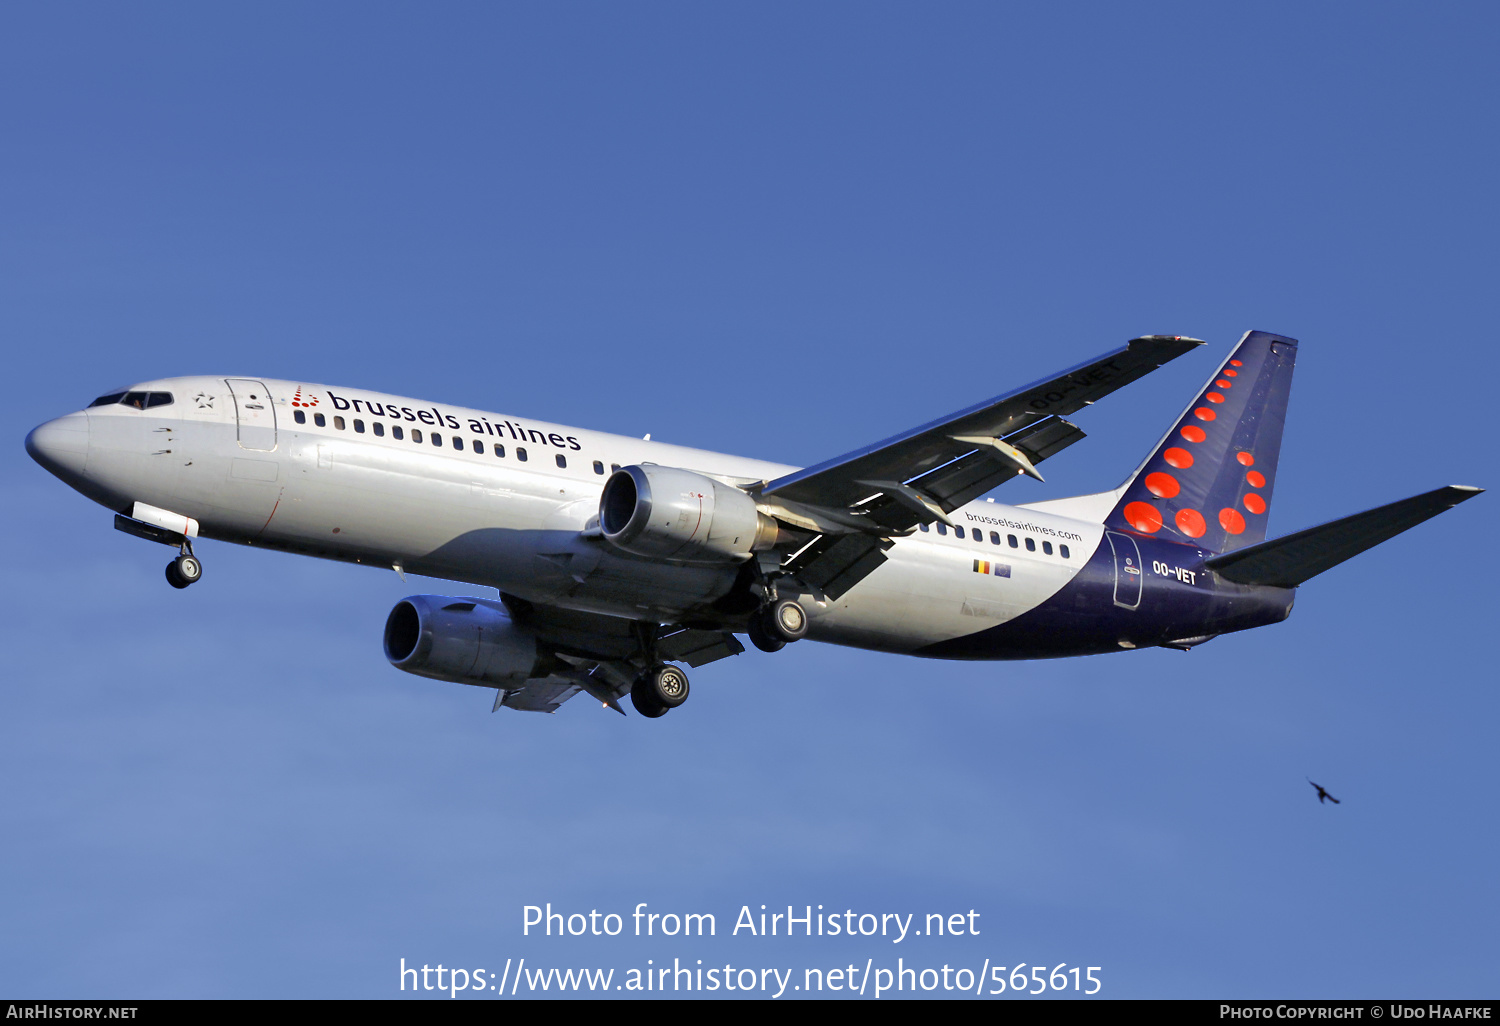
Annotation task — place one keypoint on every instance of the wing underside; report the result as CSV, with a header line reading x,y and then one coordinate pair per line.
x,y
603,655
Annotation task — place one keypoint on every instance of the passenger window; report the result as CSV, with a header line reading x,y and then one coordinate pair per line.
x,y
923,526
994,537
598,466
338,422
562,461
379,429
1047,547
613,467
397,433
437,439
135,399
942,529
1012,539
299,416
359,426
499,450
158,399
479,447
107,400
1062,550
458,443
1030,544
520,454
320,420
958,532
416,434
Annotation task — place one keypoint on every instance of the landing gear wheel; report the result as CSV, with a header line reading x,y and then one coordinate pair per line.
x,y
183,571
644,700
188,568
669,685
786,620
659,689
760,639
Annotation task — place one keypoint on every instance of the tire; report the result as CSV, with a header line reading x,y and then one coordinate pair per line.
x,y
174,578
643,697
669,685
786,620
188,568
760,639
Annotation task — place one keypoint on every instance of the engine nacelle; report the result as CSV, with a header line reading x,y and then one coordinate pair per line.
x,y
667,513
462,640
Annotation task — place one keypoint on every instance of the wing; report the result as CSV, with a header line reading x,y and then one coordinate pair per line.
x,y
541,695
860,499
956,458
602,655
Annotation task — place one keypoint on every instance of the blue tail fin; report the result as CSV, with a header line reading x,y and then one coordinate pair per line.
x,y
1209,481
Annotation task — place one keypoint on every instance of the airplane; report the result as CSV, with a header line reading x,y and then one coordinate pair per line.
x,y
616,559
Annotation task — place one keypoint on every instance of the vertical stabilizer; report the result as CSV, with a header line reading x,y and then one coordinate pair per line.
x,y
1209,481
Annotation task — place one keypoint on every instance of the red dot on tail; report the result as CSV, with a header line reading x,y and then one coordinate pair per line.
x,y
1256,479
1190,522
1214,397
1223,384
1203,413
1254,503
1245,459
1231,521
1163,486
1236,363
1231,374
1193,434
1179,458
1143,517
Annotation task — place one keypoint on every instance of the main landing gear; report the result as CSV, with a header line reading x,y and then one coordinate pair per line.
x,y
659,689
184,570
778,624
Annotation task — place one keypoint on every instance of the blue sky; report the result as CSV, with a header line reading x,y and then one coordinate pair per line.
x,y
783,231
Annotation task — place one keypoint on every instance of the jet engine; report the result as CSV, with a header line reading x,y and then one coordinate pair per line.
x,y
462,640
667,513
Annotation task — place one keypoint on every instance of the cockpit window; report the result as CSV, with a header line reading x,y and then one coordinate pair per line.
x,y
136,400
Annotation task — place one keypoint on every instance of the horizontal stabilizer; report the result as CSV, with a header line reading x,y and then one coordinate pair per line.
x,y
1287,562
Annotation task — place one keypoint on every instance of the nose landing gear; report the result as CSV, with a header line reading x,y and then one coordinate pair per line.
x,y
662,688
184,570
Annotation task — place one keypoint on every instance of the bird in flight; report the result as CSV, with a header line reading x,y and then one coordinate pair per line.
x,y
1322,794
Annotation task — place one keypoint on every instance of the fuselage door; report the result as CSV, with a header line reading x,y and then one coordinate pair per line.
x,y
255,413
1127,570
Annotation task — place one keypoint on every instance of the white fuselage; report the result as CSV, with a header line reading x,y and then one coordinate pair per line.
x,y
506,502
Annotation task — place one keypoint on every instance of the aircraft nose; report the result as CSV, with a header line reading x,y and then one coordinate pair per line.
x,y
61,445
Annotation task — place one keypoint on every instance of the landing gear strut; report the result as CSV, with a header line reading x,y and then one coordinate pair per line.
x,y
659,689
780,623
185,569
